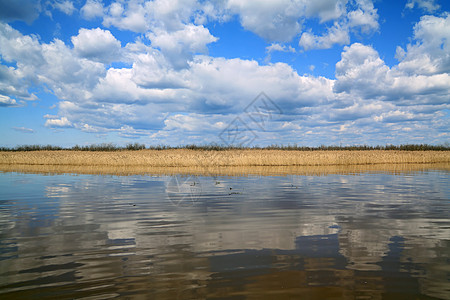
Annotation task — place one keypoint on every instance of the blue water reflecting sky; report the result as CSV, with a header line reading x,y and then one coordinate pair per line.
x,y
208,237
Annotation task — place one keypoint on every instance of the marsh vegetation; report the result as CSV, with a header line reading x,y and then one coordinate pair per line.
x,y
225,158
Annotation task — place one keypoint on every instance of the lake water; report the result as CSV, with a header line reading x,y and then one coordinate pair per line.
x,y
359,236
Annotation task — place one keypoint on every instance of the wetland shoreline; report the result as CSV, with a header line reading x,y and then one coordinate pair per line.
x,y
227,162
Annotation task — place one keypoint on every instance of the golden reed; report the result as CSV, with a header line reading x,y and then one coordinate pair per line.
x,y
232,158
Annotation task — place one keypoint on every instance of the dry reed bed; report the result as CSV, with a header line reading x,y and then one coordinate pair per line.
x,y
205,159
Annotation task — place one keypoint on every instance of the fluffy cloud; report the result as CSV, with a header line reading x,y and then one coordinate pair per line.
x,y
173,15
26,52
362,72
427,5
140,16
431,52
192,123
6,101
398,116
15,47
277,47
130,16
65,6
53,64
363,19
275,21
152,70
335,35
231,84
359,110
118,87
96,44
421,77
14,83
326,10
179,46
92,9
62,122
272,20
67,75
167,25
282,20
210,84
167,88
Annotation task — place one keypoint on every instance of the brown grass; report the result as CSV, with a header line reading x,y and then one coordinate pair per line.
x,y
201,158
228,162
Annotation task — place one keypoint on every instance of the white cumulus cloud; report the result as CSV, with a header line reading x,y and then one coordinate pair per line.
x,y
62,123
6,101
96,44
335,35
65,6
430,54
165,85
363,19
180,46
272,20
129,16
362,72
92,9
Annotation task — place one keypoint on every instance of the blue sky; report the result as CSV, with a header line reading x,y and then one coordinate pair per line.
x,y
176,72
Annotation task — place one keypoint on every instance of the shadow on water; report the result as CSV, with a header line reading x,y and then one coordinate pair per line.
x,y
376,235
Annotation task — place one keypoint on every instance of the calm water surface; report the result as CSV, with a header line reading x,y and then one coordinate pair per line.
x,y
362,236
